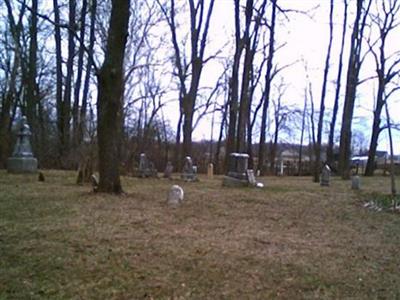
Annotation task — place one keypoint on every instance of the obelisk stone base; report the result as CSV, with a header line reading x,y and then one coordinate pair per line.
x,y
21,165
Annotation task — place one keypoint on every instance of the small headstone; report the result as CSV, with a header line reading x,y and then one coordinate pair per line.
x,y
355,182
325,176
175,195
280,168
251,178
210,171
168,170
95,183
189,172
22,160
146,167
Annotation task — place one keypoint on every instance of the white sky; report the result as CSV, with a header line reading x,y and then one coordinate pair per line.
x,y
306,38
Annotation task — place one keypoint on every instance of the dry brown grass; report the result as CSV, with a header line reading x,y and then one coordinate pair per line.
x,y
290,240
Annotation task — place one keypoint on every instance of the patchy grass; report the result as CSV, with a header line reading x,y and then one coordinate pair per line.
x,y
291,240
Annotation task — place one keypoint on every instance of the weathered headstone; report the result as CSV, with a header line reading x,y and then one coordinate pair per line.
x,y
325,176
189,171
251,177
238,173
22,160
238,163
355,182
169,168
175,195
146,167
95,183
210,171
280,168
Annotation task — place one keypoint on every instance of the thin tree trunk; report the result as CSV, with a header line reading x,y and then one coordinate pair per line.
x,y
268,82
89,66
32,88
59,80
303,123
330,152
317,165
68,79
78,82
392,175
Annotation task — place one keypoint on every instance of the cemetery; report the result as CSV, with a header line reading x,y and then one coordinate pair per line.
x,y
199,149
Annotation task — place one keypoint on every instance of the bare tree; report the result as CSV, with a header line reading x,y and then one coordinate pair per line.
x,y
11,66
353,71
317,146
329,152
191,67
110,99
267,90
387,67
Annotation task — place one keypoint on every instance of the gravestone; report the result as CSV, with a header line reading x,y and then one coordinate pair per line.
x,y
251,177
189,171
22,160
169,168
95,183
210,171
175,195
280,173
146,167
238,174
325,176
355,182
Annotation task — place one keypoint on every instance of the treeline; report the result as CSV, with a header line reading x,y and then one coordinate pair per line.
x,y
94,78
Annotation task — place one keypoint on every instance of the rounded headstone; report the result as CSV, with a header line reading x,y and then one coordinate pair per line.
x,y
175,195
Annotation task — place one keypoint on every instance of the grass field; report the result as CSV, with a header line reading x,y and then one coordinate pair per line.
x,y
291,240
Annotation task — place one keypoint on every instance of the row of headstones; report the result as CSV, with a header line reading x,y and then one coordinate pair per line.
x,y
22,161
326,175
147,169
238,173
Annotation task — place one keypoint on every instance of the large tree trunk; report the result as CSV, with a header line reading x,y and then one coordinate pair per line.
x,y
376,129
110,99
233,97
68,81
245,92
32,88
351,89
59,81
386,70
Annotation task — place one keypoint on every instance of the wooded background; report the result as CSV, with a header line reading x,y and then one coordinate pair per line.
x,y
95,78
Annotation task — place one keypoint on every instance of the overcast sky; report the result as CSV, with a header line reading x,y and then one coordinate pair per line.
x,y
307,40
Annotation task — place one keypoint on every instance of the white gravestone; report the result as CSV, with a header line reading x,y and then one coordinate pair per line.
x,y
175,195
